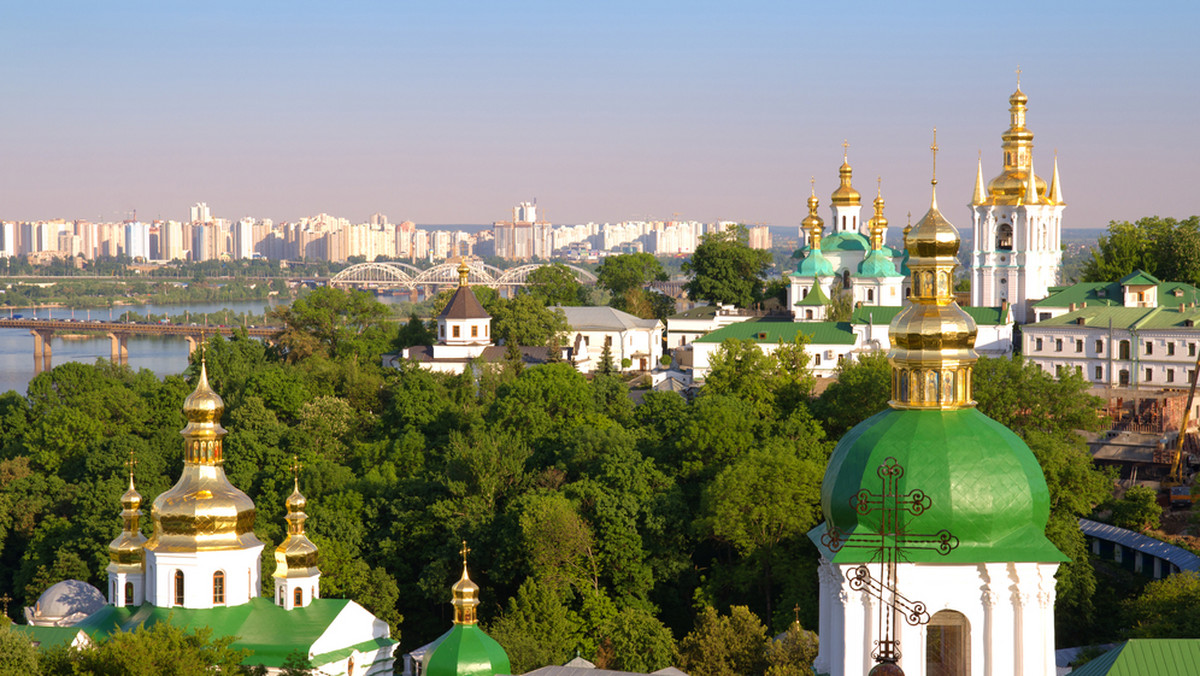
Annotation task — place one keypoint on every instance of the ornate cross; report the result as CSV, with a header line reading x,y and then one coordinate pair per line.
x,y
845,148
464,551
934,148
1018,76
889,543
5,599
131,463
295,467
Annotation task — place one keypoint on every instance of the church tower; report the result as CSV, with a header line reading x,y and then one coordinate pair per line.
x,y
126,554
1017,223
203,553
846,202
934,558
297,578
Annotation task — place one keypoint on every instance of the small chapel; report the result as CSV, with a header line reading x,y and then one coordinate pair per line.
x,y
933,553
201,567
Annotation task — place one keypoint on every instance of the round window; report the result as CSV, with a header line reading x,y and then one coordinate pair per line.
x,y
1004,281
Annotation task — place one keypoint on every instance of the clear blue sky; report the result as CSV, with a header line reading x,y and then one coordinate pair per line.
x,y
447,112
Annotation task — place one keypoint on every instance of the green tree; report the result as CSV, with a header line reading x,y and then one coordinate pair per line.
x,y
333,323
525,321
1164,247
724,269
1167,608
793,653
554,284
1137,510
623,272
862,388
18,657
840,307
161,649
415,332
725,645
537,628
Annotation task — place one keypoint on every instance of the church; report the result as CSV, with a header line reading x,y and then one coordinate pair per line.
x,y
201,567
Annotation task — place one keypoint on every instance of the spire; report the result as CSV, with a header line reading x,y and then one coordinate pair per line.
x,y
980,192
878,222
466,593
1055,195
932,338
464,271
203,409
1030,194
933,147
845,195
813,223
127,549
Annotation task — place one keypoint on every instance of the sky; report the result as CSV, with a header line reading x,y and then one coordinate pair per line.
x,y
453,112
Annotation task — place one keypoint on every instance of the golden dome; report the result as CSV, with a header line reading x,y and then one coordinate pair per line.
x,y
465,593
812,223
127,550
932,338
464,271
846,195
296,556
203,511
1010,187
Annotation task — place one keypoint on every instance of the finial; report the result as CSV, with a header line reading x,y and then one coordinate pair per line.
x,y
879,186
130,463
934,147
796,612
845,149
812,182
5,599
295,468
464,551
1018,76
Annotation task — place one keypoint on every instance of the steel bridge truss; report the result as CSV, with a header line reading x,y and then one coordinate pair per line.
x,y
404,276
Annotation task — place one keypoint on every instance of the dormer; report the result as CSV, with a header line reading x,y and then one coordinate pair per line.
x,y
1140,289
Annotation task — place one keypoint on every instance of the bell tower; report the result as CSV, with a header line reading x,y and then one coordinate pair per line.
x,y
1017,221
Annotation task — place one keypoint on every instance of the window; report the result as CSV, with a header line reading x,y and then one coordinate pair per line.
x,y
179,587
1170,375
298,597
474,331
1123,377
808,314
129,593
1191,349
1141,296
816,360
1099,373
1099,347
1079,345
1124,347
870,295
1149,347
1039,345
948,644
1058,345
218,587
281,596
1149,375
441,330
1004,237
456,331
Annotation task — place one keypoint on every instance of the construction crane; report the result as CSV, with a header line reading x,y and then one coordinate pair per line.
x,y
1177,460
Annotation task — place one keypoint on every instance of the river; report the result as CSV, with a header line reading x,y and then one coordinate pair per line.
x,y
161,354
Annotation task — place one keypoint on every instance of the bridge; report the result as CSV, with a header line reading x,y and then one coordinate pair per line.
x,y
404,276
43,330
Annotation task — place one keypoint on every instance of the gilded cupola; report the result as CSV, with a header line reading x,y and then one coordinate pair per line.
x,y
203,511
1012,185
127,551
466,594
296,556
812,223
845,195
933,339
879,222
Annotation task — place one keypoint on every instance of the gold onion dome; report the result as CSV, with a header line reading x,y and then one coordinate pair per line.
x,y
464,271
466,595
296,555
812,223
933,339
1010,187
846,195
128,548
203,511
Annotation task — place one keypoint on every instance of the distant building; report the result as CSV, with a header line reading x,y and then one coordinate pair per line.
x,y
524,237
760,237
628,337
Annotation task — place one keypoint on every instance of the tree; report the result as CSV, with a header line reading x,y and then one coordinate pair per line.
x,y
161,649
1164,247
793,653
840,307
725,645
525,321
18,657
623,272
862,388
537,628
1167,608
1137,510
415,332
554,284
331,322
724,269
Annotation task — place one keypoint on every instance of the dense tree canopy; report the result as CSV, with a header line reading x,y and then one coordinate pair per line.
x,y
1164,247
724,269
621,273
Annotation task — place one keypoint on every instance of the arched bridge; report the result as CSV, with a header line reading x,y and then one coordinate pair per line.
x,y
405,276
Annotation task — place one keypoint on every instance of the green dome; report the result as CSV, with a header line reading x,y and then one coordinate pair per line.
x,y
466,650
877,265
846,241
815,264
984,484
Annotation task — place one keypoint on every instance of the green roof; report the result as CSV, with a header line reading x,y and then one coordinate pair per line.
x,y
984,486
267,630
1113,293
820,333
877,265
846,241
884,314
814,264
47,636
1138,657
1126,318
815,296
466,650
986,316
1140,278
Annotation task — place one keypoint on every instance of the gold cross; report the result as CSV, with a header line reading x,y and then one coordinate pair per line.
x,y
5,599
464,551
934,148
812,182
845,147
296,467
130,463
1018,76
879,186
796,610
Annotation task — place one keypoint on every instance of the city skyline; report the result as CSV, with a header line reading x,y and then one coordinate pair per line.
x,y
452,114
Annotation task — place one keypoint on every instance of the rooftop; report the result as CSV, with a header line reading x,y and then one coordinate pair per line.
x,y
603,318
819,333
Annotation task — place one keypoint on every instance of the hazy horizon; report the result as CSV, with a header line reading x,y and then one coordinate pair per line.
x,y
451,113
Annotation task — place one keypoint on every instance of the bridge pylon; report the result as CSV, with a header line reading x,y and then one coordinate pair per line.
x,y
42,353
120,348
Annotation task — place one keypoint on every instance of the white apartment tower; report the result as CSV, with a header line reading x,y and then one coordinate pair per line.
x,y
1018,225
201,213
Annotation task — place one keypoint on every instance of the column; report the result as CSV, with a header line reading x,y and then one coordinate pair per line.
x,y
41,349
120,348
191,343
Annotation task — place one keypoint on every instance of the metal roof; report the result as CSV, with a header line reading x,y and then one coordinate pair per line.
x,y
603,318
1139,657
1145,544
819,333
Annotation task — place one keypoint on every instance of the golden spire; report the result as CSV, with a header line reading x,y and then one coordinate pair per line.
x,y
980,192
846,195
203,511
296,556
1055,194
813,223
934,148
1030,195
464,271
932,339
1017,143
466,594
878,223
127,550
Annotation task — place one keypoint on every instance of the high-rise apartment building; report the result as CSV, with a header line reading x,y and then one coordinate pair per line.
x,y
8,239
200,213
243,239
524,237
137,240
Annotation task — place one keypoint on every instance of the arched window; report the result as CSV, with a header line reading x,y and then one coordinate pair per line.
x,y
179,587
808,314
845,279
1004,237
298,597
281,596
948,644
129,593
1124,349
218,587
